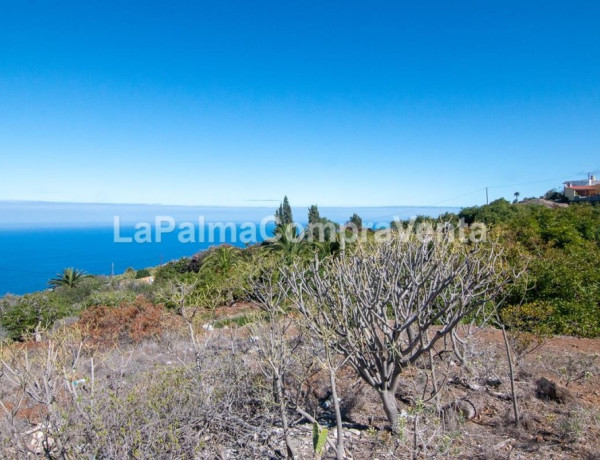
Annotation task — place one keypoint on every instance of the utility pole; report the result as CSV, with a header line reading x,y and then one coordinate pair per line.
x,y
487,201
112,271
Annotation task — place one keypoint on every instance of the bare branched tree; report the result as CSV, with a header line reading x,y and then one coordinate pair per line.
x,y
178,293
275,350
322,346
389,303
328,362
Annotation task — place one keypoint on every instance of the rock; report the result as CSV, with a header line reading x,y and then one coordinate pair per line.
x,y
456,380
493,382
41,442
405,394
464,407
549,390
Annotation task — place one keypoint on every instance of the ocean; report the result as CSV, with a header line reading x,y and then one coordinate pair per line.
x,y
38,240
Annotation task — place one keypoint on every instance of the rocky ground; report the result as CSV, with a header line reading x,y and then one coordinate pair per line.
x,y
558,392
557,383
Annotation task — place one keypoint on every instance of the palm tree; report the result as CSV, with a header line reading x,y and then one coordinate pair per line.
x,y
323,249
517,195
222,259
288,242
69,277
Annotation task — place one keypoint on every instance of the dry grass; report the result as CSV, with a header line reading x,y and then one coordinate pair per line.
x,y
140,394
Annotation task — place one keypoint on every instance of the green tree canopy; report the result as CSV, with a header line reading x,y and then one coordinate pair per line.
x,y
283,215
313,215
356,220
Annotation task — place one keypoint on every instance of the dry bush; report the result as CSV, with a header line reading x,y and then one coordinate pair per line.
x,y
129,322
170,414
577,368
37,381
574,423
425,433
60,403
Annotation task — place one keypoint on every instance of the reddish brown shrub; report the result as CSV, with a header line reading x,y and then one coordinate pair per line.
x,y
129,322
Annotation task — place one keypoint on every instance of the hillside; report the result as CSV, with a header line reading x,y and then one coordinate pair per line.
x,y
239,353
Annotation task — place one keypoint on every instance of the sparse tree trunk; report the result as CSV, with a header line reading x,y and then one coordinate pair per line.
x,y
274,349
512,377
284,420
434,385
390,406
415,447
340,453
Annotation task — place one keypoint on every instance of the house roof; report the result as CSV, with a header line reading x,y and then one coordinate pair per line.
x,y
581,183
583,187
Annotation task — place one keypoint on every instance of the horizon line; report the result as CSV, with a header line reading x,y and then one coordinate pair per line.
x,y
222,206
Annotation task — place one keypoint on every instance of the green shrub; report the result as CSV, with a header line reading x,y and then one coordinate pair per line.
x,y
562,247
143,273
34,312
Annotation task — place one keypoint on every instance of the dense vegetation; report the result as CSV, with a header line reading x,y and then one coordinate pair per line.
x,y
560,248
153,368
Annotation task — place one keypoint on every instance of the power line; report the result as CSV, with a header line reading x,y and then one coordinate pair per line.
x,y
479,190
563,178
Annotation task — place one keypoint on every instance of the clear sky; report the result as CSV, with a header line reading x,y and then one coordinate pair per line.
x,y
340,103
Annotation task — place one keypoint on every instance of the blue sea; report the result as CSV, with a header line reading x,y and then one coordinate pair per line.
x,y
38,239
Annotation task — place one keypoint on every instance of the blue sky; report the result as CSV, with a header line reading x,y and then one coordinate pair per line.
x,y
340,103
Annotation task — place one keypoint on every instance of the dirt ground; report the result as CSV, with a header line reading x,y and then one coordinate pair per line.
x,y
563,427
566,427
472,416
